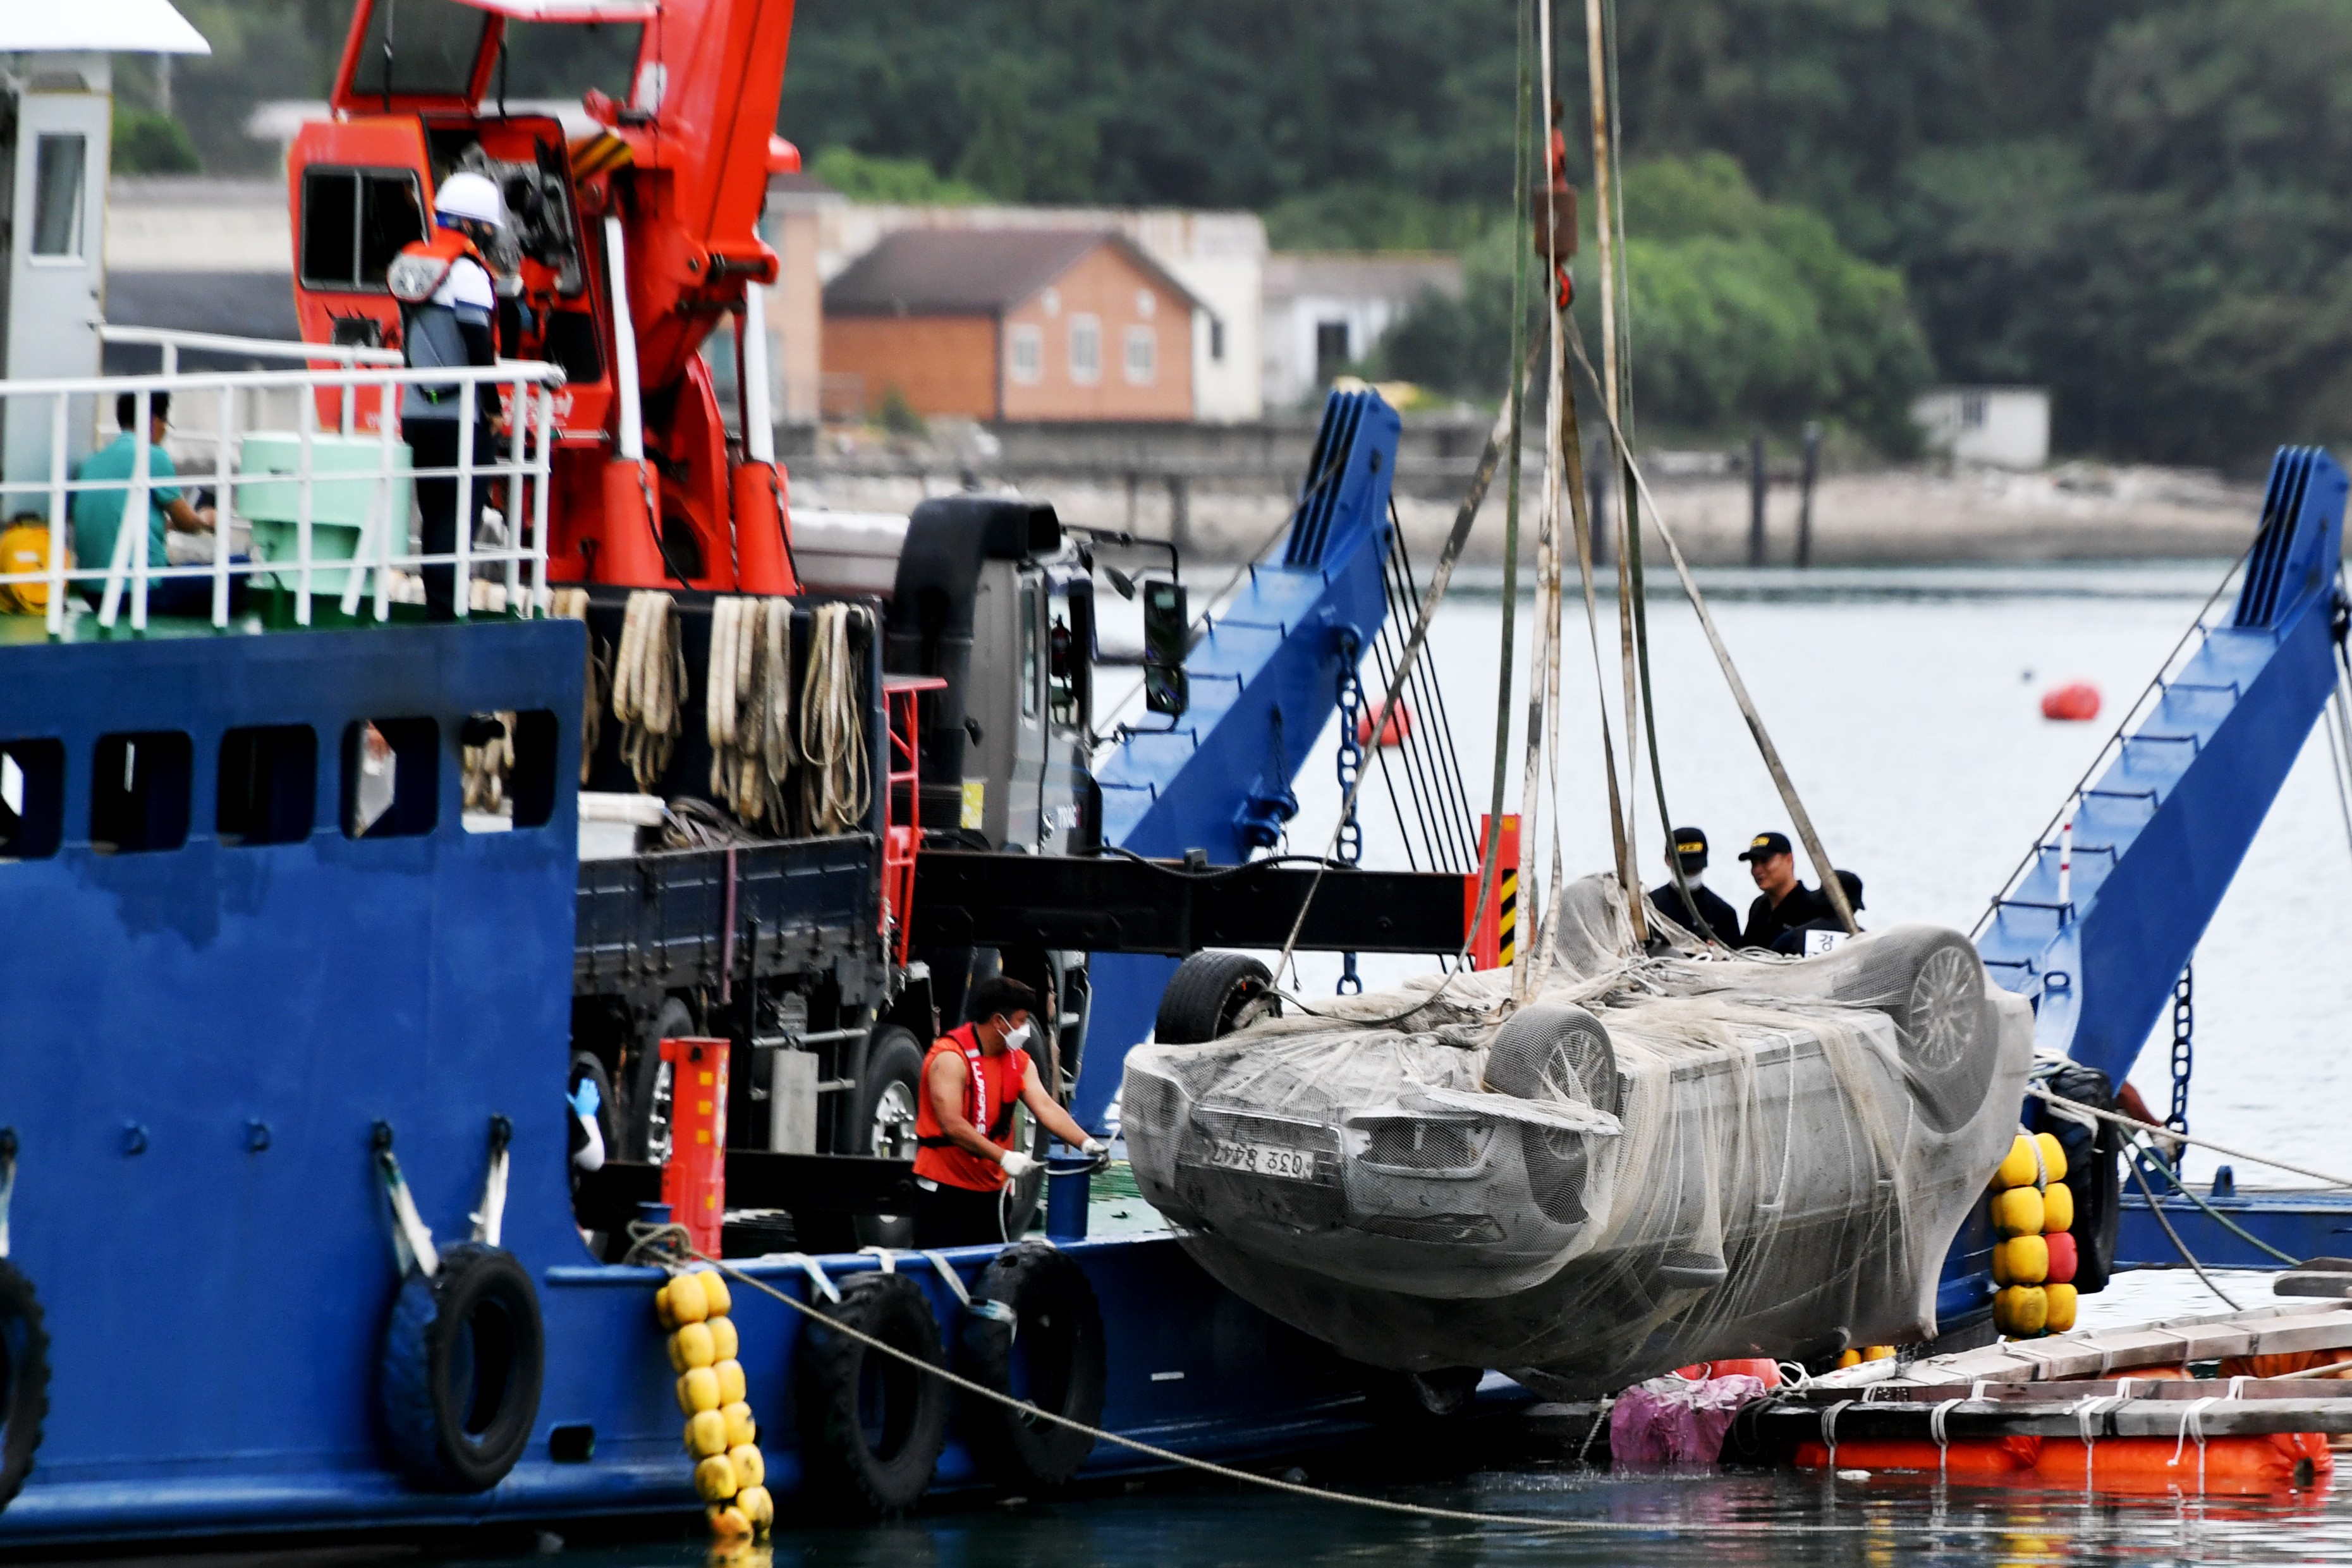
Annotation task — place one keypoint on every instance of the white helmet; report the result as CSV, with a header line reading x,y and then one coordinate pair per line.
x,y
470,196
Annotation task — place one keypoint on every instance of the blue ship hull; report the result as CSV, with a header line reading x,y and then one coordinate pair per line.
x,y
204,1033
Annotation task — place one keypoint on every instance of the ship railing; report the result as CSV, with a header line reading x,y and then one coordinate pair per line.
x,y
348,486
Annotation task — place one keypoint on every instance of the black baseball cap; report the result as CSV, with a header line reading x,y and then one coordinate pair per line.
x,y
1852,886
1690,843
1764,846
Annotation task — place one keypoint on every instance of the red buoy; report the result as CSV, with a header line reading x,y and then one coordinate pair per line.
x,y
1393,733
2074,702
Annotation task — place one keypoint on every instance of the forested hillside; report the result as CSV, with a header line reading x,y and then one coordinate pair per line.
x,y
2142,202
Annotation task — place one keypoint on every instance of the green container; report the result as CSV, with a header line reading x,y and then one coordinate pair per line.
x,y
339,507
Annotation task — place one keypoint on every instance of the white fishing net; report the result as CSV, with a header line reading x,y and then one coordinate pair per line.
x,y
1659,1160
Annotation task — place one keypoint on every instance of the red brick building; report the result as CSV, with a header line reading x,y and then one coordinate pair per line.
x,y
1012,324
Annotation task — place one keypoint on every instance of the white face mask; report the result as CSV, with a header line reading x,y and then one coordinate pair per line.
x,y
1019,1038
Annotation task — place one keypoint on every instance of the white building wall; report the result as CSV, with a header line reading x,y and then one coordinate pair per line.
x,y
2000,427
1366,295
1220,257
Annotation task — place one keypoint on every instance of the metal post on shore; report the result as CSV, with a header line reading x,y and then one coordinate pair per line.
x,y
1756,482
1180,512
1805,494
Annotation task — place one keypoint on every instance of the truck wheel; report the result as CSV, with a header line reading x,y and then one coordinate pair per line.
x,y
1212,996
645,1119
885,1127
1932,984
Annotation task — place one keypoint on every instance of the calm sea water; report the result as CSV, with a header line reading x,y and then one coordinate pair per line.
x,y
1906,707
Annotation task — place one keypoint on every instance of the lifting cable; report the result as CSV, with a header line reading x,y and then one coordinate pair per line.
x,y
1607,231
671,1241
2153,1129
1772,755
649,685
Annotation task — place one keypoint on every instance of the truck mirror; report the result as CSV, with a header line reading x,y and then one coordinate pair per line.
x,y
1166,629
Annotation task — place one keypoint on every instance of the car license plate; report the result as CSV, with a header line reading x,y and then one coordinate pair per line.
x,y
1263,1159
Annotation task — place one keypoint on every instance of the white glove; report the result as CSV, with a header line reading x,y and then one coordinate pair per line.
x,y
1094,1148
1016,1164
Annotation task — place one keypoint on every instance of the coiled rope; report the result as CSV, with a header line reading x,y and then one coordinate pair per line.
x,y
748,706
668,1245
835,788
596,680
648,684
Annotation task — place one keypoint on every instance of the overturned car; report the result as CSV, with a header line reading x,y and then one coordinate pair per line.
x,y
1657,1160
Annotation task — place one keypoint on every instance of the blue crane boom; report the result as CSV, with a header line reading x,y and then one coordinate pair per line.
x,y
2160,832
1265,679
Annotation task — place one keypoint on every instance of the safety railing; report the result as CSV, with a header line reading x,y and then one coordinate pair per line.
x,y
335,505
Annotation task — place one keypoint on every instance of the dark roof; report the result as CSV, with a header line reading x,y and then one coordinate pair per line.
x,y
972,272
232,304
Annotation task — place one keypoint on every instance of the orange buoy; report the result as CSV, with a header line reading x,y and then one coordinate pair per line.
x,y
2272,1462
2075,703
1761,1367
1393,733
1966,1456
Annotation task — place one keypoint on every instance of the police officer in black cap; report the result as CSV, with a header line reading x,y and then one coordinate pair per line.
x,y
1721,921
1825,930
1784,904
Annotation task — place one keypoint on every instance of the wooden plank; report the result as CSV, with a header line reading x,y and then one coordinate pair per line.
x,y
2271,1331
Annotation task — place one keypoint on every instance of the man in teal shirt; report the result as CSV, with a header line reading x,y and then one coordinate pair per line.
x,y
97,513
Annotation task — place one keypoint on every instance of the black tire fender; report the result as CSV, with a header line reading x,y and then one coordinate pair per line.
x,y
463,1362
1210,996
871,1426
24,1378
1052,1354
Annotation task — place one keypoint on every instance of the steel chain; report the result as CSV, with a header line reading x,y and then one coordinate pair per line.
x,y
1350,846
2184,1019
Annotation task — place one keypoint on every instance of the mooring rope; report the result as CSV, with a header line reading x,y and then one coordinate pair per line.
x,y
653,1240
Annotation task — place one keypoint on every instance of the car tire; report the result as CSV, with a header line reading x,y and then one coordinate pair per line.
x,y
1555,1053
1931,982
1212,995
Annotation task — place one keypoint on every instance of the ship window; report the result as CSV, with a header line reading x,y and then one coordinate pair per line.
x,y
354,222
392,778
32,798
58,164
268,785
509,760
139,793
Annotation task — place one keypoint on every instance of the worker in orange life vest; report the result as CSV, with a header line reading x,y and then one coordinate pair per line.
x,y
448,304
973,1078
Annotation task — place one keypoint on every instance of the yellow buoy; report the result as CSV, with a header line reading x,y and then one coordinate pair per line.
x,y
741,1427
2026,1260
717,1300
724,1339
1849,1358
729,1374
714,1479
2022,1311
2018,1212
727,1522
691,1348
750,1466
687,1305
2062,1302
2053,1158
2017,1167
706,1434
757,1506
2057,1209
1878,1352
697,1390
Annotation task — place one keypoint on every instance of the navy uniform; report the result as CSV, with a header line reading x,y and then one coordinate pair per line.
x,y
1767,922
1722,921
1825,930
